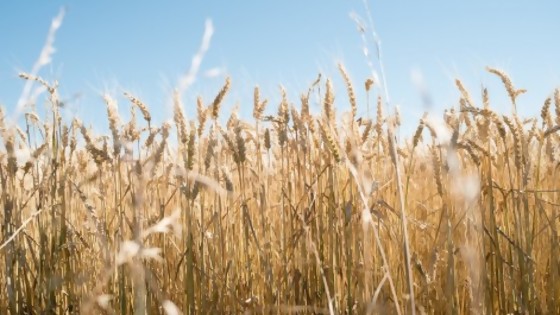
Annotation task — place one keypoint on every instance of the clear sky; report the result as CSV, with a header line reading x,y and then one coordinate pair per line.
x,y
144,46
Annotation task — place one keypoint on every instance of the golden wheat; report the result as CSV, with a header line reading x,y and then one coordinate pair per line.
x,y
328,214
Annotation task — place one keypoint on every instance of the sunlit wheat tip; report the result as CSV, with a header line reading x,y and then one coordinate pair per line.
x,y
328,103
512,92
219,98
143,108
349,90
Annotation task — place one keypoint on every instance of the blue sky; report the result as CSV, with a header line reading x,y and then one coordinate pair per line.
x,y
143,47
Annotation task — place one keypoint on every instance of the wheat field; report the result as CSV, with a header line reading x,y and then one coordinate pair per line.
x,y
290,212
